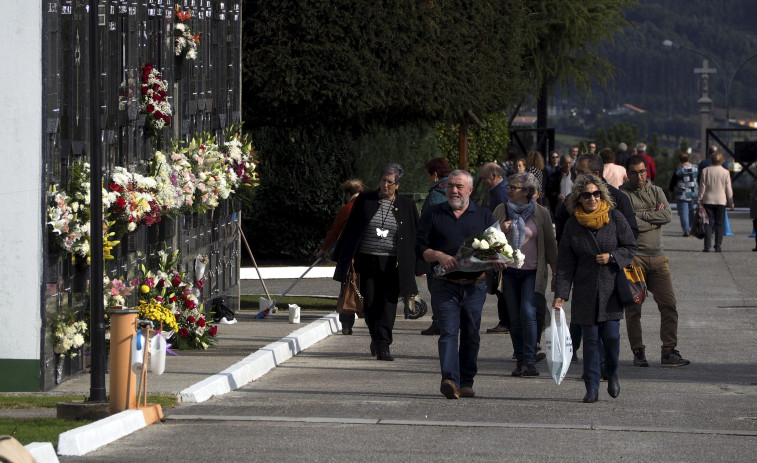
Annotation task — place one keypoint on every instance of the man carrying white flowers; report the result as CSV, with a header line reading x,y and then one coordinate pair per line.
x,y
457,297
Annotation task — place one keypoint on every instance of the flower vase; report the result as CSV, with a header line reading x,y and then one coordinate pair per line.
x,y
58,369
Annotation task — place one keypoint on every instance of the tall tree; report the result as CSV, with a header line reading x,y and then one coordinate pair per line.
x,y
561,39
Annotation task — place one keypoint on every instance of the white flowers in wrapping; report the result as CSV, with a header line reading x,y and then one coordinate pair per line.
x,y
480,252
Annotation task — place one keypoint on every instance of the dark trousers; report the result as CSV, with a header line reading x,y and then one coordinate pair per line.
x,y
576,333
716,214
754,228
604,336
458,313
379,284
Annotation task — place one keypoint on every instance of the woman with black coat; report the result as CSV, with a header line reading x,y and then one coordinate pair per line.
x,y
379,238
596,244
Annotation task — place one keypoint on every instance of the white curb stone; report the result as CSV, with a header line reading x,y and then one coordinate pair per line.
x,y
85,439
259,363
43,452
79,441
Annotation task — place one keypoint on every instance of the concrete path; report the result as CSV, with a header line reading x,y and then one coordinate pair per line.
x,y
334,402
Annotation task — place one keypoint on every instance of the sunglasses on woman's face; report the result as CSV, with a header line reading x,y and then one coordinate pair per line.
x,y
588,194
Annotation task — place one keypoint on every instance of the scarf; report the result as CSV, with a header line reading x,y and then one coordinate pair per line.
x,y
594,220
519,214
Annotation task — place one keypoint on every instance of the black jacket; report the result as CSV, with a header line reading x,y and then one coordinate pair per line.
x,y
406,215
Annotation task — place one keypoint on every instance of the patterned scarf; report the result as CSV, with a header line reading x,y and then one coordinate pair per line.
x,y
594,220
519,214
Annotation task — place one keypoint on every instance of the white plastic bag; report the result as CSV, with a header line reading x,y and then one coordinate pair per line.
x,y
559,346
157,355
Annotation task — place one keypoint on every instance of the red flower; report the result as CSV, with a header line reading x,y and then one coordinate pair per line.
x,y
144,89
114,187
120,203
176,281
173,298
201,322
160,299
201,282
150,108
184,332
161,284
150,282
191,319
213,330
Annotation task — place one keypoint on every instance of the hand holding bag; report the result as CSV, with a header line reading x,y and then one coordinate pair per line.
x,y
559,346
350,300
631,286
700,222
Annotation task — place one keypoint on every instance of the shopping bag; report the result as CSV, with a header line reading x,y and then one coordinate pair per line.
x,y
559,345
701,220
350,300
631,286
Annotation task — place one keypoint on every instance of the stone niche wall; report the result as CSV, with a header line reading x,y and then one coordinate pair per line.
x,y
205,95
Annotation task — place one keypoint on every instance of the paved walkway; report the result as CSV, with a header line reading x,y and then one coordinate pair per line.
x,y
335,402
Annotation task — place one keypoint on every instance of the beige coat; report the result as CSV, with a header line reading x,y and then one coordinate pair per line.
x,y
715,186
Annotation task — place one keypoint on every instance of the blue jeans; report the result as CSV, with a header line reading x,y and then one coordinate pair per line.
x,y
685,211
458,310
521,301
609,334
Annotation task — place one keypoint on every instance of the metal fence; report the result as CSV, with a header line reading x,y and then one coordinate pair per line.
x,y
205,95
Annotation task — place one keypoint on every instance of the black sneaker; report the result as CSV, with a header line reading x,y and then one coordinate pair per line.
x,y
519,369
432,330
673,359
530,370
540,356
639,359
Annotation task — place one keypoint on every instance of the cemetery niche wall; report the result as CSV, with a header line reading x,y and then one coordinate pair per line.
x,y
173,159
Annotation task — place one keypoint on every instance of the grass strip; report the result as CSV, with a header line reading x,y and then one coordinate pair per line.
x,y
250,302
25,402
38,429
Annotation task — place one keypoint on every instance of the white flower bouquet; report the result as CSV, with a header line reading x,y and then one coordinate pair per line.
x,y
480,252
68,334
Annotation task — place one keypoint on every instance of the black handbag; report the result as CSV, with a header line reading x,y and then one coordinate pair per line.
x,y
631,286
700,222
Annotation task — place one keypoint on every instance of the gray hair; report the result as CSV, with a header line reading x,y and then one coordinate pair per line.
x,y
566,157
578,186
392,169
641,148
526,180
461,172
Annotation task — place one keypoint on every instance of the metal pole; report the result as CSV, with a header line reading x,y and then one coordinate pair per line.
x,y
97,316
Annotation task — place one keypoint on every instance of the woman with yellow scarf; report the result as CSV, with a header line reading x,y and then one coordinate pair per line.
x,y
596,244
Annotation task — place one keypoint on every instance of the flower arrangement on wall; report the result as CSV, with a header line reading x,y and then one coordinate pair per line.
x,y
68,333
153,100
192,178
185,44
168,291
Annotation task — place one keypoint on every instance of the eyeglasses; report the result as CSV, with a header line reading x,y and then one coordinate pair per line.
x,y
513,188
588,194
555,157
637,172
388,182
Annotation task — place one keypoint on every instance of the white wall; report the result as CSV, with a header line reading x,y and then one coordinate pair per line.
x,y
21,227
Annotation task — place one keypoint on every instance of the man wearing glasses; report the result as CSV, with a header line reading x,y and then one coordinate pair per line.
x,y
652,211
457,297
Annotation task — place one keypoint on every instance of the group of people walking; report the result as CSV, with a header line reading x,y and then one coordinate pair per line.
x,y
598,231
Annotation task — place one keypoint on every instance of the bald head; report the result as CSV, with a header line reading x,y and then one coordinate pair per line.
x,y
491,174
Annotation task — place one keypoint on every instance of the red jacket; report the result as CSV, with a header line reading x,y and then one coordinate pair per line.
x,y
651,166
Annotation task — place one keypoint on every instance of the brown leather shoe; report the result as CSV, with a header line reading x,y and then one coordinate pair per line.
x,y
449,389
467,391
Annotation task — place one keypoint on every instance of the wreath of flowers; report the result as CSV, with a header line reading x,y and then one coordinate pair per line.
x,y
185,44
153,101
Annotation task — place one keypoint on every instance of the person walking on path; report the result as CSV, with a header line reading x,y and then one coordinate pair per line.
x,y
597,243
458,297
492,178
351,189
613,174
715,193
528,227
437,171
685,187
652,211
753,211
379,238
